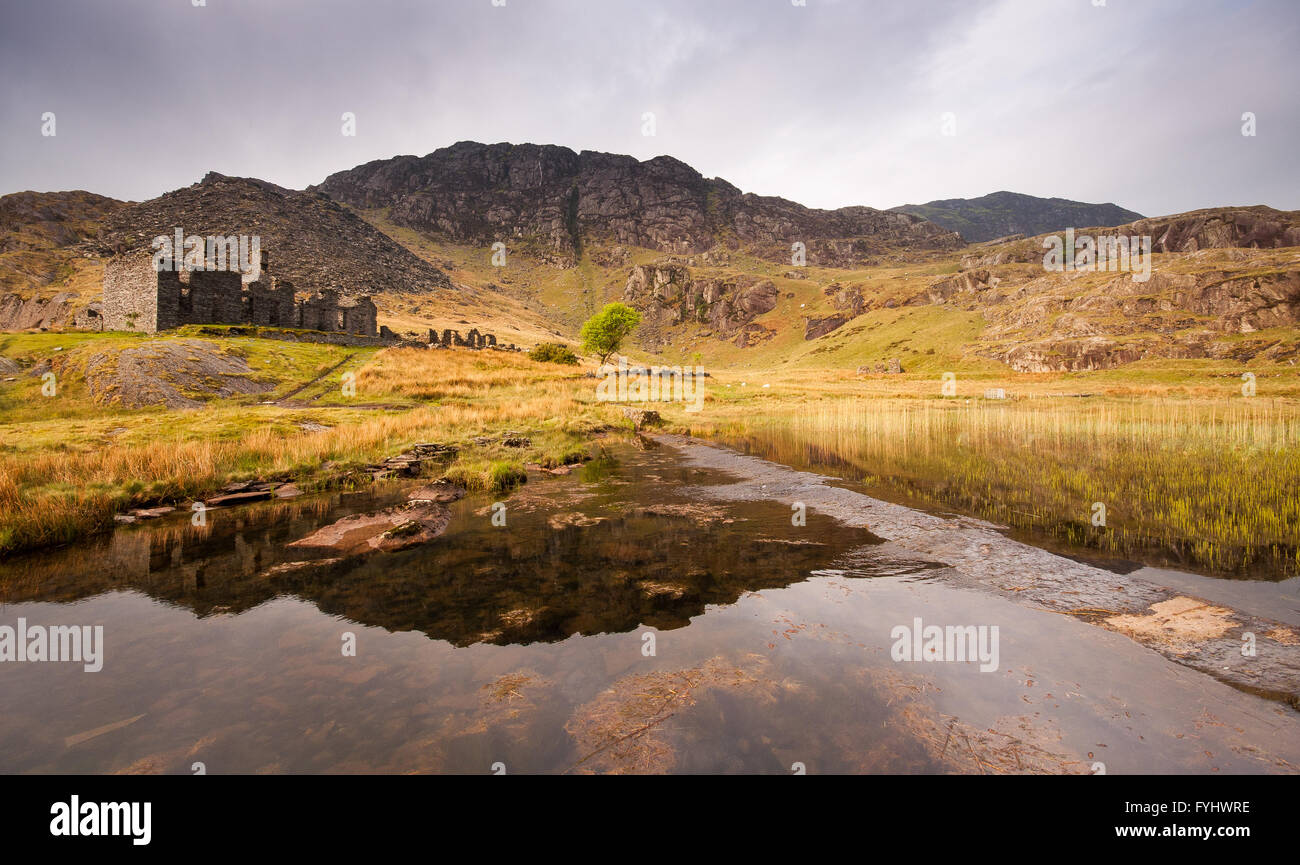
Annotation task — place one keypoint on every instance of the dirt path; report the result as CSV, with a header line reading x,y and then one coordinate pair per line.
x,y
284,400
1213,638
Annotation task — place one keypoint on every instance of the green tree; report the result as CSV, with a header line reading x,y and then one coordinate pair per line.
x,y
604,332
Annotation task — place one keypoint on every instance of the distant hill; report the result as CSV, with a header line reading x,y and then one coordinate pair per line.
x,y
551,201
46,276
38,231
312,241
48,220
1003,213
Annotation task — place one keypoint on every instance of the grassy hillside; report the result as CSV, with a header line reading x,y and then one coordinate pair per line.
x,y
971,333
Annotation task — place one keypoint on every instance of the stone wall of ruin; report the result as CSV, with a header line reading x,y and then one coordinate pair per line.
x,y
131,293
271,305
138,297
452,339
214,297
360,319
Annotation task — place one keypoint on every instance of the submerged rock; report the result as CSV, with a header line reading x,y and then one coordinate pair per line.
x,y
293,567
575,518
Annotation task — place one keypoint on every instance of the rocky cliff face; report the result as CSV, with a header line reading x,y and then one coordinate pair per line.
x,y
553,200
667,294
1216,228
1003,213
311,240
1256,227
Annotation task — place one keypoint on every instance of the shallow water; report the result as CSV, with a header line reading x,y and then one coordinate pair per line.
x,y
524,648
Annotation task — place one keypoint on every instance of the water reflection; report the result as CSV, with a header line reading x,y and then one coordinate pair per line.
x,y
610,548
524,645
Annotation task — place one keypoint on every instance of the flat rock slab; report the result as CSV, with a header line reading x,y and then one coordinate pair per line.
x,y
439,491
391,529
168,372
238,498
151,513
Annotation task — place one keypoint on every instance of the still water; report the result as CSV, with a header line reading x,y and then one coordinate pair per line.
x,y
618,622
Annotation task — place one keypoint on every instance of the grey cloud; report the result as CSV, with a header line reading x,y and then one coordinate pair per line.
x,y
829,104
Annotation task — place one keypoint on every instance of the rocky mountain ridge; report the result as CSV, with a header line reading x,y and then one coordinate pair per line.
x,y
1256,227
1222,275
551,201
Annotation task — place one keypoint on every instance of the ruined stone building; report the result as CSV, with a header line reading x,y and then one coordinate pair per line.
x,y
474,339
138,297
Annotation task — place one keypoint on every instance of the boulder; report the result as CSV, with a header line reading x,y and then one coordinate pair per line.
x,y
815,327
642,417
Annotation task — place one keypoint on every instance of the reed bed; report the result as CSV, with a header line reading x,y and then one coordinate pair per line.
x,y
1213,484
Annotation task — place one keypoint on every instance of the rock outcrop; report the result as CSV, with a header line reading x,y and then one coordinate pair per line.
x,y
968,282
815,327
667,294
551,200
61,310
846,299
1071,355
1217,228
1046,324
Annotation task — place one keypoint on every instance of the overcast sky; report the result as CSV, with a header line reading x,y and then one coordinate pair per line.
x,y
833,103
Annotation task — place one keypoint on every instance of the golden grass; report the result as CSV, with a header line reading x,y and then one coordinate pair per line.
x,y
1181,467
1211,483
486,475
59,492
421,374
